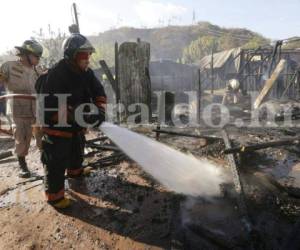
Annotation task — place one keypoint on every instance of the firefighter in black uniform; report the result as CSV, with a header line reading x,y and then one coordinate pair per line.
x,y
62,146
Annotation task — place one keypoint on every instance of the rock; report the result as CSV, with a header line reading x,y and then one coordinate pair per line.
x,y
30,246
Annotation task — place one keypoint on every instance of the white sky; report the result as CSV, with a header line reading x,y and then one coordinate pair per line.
x,y
19,19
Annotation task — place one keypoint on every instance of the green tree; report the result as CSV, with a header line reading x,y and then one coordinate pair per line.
x,y
255,42
52,43
199,48
103,52
229,41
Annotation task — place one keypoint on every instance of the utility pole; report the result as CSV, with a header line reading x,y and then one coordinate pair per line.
x,y
194,17
76,16
74,28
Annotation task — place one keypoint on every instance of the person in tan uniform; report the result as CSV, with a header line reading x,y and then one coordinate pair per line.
x,y
19,77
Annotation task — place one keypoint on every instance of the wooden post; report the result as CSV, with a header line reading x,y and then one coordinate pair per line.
x,y
169,106
240,76
290,83
117,91
134,76
108,74
212,71
298,84
199,97
285,82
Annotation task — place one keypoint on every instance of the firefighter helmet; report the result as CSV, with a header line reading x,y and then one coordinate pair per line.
x,y
31,46
76,43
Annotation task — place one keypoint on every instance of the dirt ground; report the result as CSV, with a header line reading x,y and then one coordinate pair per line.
x,y
116,207
120,207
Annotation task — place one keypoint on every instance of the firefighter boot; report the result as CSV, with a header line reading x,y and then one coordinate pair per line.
x,y
62,204
24,171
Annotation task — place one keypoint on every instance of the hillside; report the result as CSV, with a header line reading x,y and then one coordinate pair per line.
x,y
185,43
170,42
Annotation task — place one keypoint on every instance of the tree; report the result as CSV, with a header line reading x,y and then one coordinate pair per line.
x,y
103,52
199,48
52,43
230,41
255,42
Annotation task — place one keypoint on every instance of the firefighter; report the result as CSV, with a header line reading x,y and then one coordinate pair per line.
x,y
62,146
19,77
232,93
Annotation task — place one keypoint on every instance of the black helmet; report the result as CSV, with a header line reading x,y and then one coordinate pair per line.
x,y
76,43
31,46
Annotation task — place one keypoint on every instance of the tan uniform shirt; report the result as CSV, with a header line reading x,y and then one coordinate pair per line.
x,y
19,79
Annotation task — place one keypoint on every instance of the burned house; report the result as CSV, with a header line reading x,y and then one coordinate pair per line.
x,y
218,68
252,68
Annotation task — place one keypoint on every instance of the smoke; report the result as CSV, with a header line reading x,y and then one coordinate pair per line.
x,y
175,170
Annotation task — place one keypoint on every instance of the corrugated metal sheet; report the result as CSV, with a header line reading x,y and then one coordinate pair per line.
x,y
222,58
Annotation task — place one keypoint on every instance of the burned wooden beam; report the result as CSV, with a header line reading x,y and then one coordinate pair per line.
x,y
207,137
97,139
269,83
103,147
109,75
237,184
212,236
109,160
5,155
251,148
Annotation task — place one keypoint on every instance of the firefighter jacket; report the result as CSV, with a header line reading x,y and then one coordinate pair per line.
x,y
82,88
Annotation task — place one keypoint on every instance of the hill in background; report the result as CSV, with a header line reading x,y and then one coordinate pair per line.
x,y
187,43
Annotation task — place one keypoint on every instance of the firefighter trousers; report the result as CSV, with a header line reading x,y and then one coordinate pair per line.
x,y
58,156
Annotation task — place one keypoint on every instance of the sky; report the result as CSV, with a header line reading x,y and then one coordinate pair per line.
x,y
19,20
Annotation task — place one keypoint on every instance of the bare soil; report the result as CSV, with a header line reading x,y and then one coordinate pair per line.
x,y
120,207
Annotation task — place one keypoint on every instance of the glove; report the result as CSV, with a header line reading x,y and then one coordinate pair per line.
x,y
96,119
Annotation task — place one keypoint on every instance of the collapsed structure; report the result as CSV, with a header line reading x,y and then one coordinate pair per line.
x,y
252,67
273,73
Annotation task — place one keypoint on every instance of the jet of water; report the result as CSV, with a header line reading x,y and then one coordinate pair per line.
x,y
177,171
